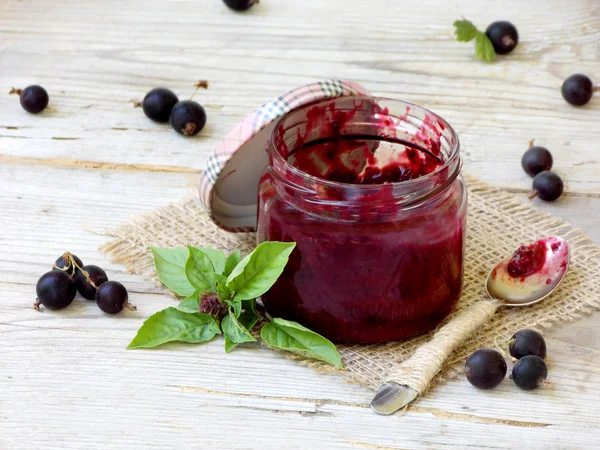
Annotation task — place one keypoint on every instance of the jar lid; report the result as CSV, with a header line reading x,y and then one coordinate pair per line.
x,y
229,181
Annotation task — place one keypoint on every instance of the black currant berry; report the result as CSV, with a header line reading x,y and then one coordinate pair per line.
x,y
529,372
34,98
65,261
111,297
158,104
547,185
55,290
527,342
95,274
577,89
485,368
536,160
503,35
240,5
188,118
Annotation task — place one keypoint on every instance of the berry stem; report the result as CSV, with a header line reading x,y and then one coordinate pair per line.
x,y
531,141
137,104
85,273
37,304
15,91
199,84
189,129
130,307
532,195
596,88
66,258
499,347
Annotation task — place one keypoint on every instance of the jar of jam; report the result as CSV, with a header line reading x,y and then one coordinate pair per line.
x,y
370,190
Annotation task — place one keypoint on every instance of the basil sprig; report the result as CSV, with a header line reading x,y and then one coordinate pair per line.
x,y
220,298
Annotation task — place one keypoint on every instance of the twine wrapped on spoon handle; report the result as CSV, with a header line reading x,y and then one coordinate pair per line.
x,y
418,371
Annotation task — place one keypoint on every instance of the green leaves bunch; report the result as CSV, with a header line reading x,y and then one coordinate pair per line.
x,y
465,32
220,295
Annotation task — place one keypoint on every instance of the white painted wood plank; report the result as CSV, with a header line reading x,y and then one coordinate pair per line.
x,y
38,201
66,380
185,396
96,57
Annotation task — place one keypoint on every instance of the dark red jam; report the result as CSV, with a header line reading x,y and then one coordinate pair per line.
x,y
351,159
527,260
370,265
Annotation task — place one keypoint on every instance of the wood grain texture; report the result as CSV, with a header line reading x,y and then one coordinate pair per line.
x,y
96,57
66,175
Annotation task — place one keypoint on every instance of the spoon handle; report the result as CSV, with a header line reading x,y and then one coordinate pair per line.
x,y
417,372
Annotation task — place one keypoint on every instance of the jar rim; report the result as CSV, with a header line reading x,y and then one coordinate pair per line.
x,y
453,158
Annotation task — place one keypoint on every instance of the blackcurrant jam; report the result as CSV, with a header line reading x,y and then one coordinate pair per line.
x,y
371,192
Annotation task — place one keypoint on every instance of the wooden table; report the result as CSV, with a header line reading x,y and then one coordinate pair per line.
x,y
66,380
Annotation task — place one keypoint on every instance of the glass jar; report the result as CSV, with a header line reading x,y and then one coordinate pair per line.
x,y
370,190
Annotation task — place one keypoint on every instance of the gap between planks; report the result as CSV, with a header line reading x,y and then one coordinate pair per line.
x,y
436,412
96,165
100,165
358,444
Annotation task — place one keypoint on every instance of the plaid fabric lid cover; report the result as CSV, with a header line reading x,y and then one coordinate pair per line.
x,y
229,181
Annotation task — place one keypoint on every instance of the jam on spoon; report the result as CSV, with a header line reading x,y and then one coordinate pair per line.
x,y
527,259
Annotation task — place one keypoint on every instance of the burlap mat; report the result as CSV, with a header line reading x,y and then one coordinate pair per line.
x,y
498,223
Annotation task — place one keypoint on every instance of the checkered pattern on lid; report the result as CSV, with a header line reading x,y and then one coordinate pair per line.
x,y
229,181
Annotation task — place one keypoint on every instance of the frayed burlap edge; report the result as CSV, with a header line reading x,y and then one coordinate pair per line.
x,y
498,222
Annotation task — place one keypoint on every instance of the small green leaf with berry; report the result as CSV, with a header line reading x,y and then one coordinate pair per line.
x,y
484,49
465,32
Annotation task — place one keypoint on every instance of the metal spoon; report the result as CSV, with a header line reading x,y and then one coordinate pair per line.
x,y
514,287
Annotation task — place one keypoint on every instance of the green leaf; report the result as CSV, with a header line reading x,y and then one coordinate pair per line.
x,y
171,325
223,291
234,332
229,344
217,258
190,304
170,267
258,271
465,30
483,48
232,261
200,271
293,337
249,316
236,304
